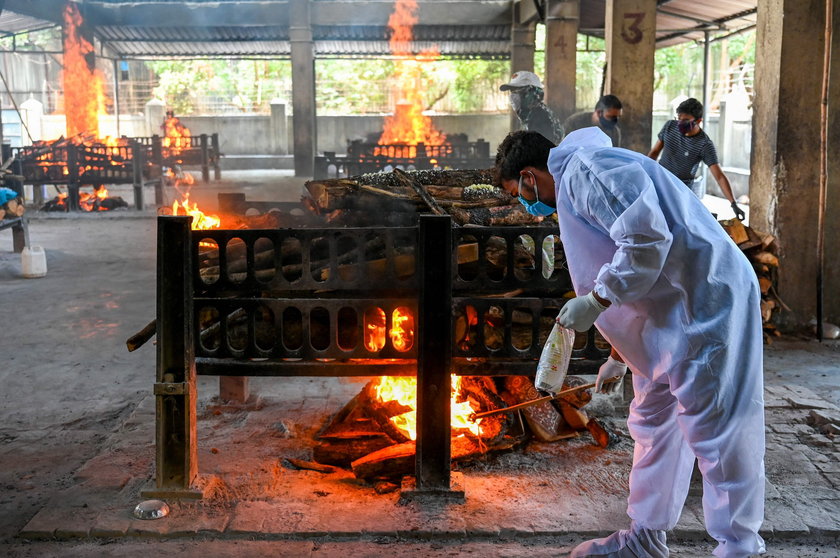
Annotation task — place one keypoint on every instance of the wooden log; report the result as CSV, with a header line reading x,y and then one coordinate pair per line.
x,y
342,452
735,229
404,264
309,465
139,339
764,257
753,239
421,191
398,460
545,420
15,208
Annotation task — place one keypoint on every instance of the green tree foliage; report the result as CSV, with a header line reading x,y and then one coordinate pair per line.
x,y
352,86
189,86
473,78
678,69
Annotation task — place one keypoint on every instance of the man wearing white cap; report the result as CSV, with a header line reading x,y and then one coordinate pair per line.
x,y
526,100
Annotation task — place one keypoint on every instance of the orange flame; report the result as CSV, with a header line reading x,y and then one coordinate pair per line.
x,y
404,391
401,332
176,135
90,202
200,221
84,97
408,124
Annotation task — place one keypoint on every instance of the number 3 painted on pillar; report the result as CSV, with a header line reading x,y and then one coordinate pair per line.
x,y
635,34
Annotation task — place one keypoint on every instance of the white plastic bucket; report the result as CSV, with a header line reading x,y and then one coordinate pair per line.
x,y
33,261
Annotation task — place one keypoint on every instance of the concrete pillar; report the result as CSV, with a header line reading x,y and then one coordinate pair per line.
x,y
303,87
630,28
279,134
561,27
155,112
784,178
522,46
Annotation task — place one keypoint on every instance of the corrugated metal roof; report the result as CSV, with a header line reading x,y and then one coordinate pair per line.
x,y
677,21
12,23
489,41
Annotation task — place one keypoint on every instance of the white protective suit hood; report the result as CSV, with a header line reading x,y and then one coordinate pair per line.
x,y
685,317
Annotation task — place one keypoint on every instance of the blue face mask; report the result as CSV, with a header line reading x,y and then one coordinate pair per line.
x,y
534,207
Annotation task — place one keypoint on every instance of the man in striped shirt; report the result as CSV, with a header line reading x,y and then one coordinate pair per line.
x,y
683,144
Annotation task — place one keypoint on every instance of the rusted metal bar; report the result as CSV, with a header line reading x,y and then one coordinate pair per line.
x,y
175,389
435,354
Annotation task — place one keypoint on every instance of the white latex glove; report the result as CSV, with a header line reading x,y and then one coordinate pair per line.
x,y
609,370
580,312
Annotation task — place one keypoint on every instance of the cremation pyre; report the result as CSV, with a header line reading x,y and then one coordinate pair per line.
x,y
298,302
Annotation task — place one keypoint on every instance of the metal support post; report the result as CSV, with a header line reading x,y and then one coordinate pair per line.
x,y
214,144
434,359
138,164
205,158
175,387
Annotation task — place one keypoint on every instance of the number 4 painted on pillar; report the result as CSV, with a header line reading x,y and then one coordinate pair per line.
x,y
633,34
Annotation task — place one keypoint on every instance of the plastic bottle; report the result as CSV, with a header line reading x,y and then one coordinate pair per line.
x,y
554,360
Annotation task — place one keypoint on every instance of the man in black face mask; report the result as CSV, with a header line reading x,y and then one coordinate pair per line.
x,y
683,144
605,116
526,100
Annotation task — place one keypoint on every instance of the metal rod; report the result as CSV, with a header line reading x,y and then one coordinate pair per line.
x,y
707,71
117,94
475,416
829,10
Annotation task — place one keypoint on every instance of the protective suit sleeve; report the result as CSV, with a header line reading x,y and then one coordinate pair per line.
x,y
623,202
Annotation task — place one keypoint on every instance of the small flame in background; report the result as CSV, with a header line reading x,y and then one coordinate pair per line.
x,y
90,202
84,96
408,124
176,138
201,221
176,135
404,391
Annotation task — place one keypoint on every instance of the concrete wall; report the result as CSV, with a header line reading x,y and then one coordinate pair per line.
x,y
246,134
251,134
334,132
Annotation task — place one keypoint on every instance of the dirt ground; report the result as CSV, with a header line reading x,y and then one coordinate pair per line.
x,y
72,392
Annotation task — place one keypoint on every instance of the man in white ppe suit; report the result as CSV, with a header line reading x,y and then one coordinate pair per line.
x,y
679,303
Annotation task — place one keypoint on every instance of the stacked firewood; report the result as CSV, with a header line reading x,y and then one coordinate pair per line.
x,y
760,249
397,197
11,205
